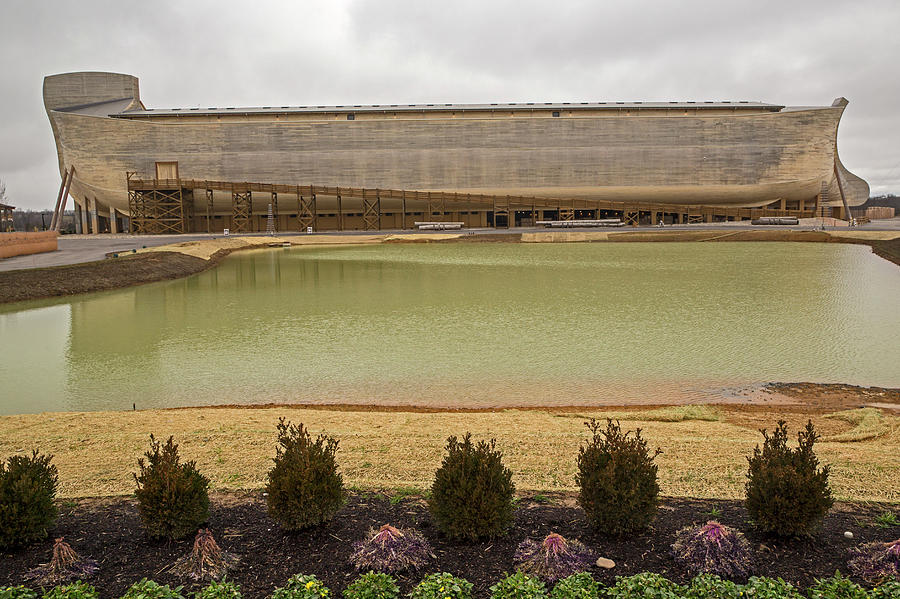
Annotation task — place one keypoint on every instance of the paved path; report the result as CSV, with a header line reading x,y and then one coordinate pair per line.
x,y
74,249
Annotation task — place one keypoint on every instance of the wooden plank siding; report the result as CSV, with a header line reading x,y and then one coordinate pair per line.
x,y
654,161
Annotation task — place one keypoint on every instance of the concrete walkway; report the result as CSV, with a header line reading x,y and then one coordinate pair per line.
x,y
75,249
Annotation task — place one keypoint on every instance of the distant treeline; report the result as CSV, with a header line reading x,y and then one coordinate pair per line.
x,y
39,220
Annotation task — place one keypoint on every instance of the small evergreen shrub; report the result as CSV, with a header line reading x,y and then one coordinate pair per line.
x,y
442,586
173,499
27,489
301,586
75,590
18,592
472,494
519,586
886,590
392,550
576,586
616,477
710,586
763,587
219,590
874,562
65,565
148,589
836,587
206,561
304,486
787,492
552,559
373,585
712,549
644,586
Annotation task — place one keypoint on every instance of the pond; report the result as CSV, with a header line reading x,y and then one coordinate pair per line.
x,y
464,325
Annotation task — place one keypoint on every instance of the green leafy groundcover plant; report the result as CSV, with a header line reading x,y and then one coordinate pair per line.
x,y
373,585
644,586
18,592
710,586
762,587
302,586
27,488
76,590
219,590
442,586
837,587
887,590
148,589
519,586
576,586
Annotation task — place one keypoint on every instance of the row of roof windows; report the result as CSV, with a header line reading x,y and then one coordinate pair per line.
x,y
723,102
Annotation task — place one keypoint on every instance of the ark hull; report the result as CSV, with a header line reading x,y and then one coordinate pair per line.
x,y
722,154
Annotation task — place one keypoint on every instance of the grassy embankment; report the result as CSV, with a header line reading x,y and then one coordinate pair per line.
x,y
398,451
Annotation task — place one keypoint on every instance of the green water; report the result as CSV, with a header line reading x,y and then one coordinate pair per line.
x,y
464,325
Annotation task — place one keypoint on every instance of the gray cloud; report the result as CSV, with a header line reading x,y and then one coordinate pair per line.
x,y
359,52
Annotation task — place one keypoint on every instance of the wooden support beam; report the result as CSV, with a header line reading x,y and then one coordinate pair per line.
x,y
837,175
62,186
209,209
340,210
403,211
371,212
306,210
241,210
65,197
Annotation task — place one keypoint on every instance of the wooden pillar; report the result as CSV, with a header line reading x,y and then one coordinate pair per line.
x,y
782,205
113,226
340,211
403,209
85,227
802,205
209,206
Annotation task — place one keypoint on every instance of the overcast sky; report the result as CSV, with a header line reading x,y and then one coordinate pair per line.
x,y
366,52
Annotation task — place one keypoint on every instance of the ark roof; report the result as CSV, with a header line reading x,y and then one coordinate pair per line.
x,y
493,107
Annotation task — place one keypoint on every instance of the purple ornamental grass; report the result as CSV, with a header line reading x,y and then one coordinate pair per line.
x,y
65,565
392,550
874,562
206,561
713,549
554,558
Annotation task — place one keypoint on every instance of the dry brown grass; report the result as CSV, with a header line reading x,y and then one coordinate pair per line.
x,y
97,452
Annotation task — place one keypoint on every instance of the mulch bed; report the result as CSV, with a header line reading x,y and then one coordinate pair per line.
x,y
108,530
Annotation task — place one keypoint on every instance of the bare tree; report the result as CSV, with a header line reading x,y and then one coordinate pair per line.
x,y
2,192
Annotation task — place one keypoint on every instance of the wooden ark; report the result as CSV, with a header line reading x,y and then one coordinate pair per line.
x,y
382,167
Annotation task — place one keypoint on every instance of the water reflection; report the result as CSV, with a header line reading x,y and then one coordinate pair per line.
x,y
479,324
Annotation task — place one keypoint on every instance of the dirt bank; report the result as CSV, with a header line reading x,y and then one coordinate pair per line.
x,y
39,283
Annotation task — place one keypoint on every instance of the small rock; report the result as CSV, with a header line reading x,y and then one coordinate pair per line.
x,y
603,562
848,534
